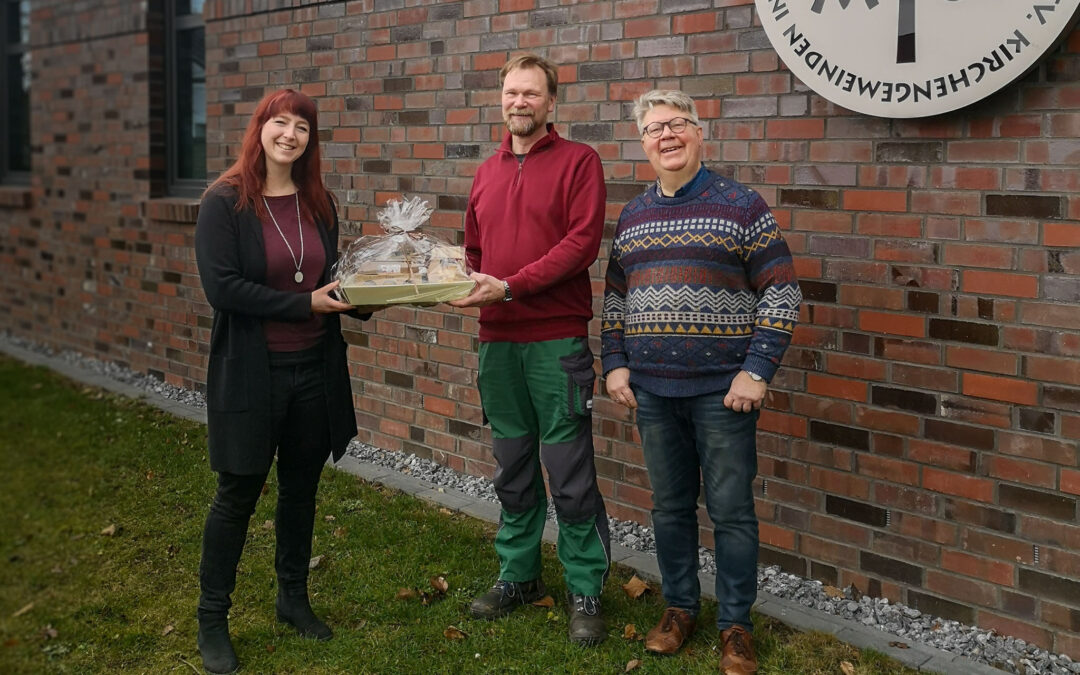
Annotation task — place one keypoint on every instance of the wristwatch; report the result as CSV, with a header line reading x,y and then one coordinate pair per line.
x,y
754,376
507,296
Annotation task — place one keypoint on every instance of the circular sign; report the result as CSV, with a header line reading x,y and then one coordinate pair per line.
x,y
890,59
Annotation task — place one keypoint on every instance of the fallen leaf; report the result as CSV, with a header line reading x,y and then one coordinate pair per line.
x,y
629,632
23,610
633,664
11,642
900,645
635,588
271,648
854,592
453,633
268,524
833,592
50,633
426,598
546,602
445,511
314,562
439,584
150,475
406,593
339,532
329,519
847,668
168,629
109,531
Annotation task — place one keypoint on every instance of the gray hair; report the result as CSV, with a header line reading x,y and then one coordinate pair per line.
x,y
669,97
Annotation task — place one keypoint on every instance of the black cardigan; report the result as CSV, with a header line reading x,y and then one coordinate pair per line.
x,y
231,256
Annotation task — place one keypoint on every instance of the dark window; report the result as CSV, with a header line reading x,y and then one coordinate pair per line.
x,y
185,72
15,89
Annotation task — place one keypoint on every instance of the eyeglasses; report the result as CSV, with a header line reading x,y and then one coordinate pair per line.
x,y
676,124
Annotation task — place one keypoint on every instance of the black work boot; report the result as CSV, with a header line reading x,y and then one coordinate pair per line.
x,y
294,609
586,620
506,596
215,647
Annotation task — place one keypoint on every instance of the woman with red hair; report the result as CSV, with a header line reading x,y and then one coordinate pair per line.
x,y
277,380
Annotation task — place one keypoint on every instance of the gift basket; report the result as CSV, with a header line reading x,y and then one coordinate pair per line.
x,y
403,266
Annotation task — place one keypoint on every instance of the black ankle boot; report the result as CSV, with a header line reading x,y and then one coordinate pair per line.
x,y
295,610
215,646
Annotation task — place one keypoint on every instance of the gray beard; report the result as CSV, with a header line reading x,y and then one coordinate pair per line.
x,y
518,126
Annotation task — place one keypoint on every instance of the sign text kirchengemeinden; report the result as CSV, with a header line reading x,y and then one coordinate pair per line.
x,y
889,59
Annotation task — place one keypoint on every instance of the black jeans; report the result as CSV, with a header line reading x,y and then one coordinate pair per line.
x,y
301,434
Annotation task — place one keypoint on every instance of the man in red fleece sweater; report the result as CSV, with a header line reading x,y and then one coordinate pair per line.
x,y
532,229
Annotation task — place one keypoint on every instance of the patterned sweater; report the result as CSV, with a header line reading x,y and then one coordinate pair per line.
x,y
699,286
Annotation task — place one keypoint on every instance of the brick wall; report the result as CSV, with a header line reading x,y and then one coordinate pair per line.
x,y
920,442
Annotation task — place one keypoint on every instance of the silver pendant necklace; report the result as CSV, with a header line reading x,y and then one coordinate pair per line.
x,y
299,276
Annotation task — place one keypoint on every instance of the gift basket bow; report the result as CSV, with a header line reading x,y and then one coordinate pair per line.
x,y
403,266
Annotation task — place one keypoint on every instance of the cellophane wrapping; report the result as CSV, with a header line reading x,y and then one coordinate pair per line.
x,y
405,265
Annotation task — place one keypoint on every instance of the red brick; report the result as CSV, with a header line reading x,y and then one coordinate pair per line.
x,y
926,529
889,225
946,203
1023,472
869,296
1052,369
887,420
892,324
876,200
965,590
780,423
1000,283
827,550
1061,234
839,529
647,27
1038,447
818,408
852,390
964,178
1070,481
1002,231
796,129
841,483
888,469
974,358
1003,548
938,379
1000,388
942,455
947,482
778,537
975,255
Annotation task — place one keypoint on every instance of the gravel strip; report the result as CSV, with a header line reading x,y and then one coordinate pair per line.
x,y
1007,653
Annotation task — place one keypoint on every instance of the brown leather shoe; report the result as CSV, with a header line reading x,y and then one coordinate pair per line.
x,y
738,656
668,636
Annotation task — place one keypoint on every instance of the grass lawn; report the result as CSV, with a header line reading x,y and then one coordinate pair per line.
x,y
101,514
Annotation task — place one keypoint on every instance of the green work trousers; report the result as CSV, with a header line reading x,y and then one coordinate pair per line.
x,y
538,398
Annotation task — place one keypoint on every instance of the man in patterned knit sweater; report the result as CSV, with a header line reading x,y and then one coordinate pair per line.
x,y
699,305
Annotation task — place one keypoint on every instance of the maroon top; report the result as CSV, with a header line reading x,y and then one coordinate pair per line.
x,y
292,336
537,224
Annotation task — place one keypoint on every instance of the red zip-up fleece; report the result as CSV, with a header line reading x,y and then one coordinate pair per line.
x,y
537,225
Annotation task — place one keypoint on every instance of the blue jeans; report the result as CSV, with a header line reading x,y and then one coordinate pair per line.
x,y
684,438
